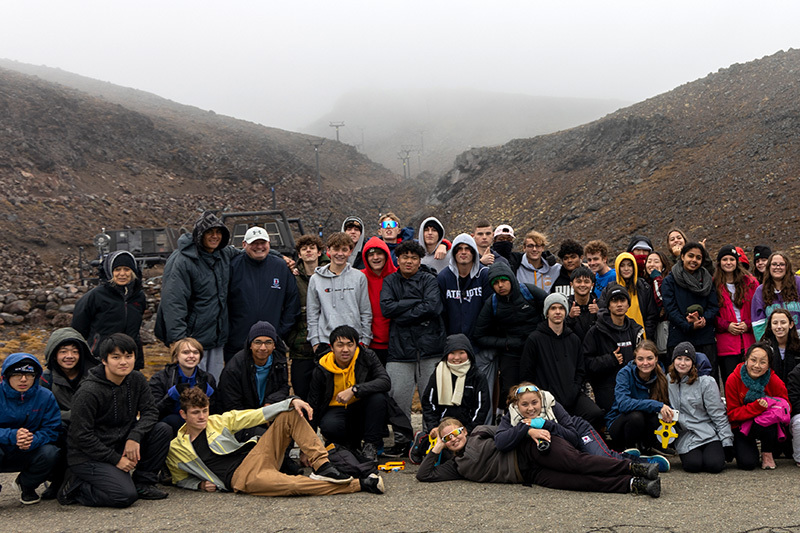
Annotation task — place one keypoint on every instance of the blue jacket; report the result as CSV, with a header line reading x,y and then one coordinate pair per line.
x,y
632,394
463,303
260,291
35,409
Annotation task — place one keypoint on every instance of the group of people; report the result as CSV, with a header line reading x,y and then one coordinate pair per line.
x,y
530,366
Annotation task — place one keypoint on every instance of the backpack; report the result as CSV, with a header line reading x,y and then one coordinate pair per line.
x,y
347,463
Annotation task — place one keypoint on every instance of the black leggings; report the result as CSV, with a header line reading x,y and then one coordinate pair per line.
x,y
563,467
727,364
633,429
709,457
744,446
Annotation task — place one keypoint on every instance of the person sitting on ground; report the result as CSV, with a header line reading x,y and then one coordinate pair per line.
x,y
257,375
475,456
29,425
641,397
206,457
183,372
747,392
781,334
526,403
705,440
456,389
114,430
349,394
68,359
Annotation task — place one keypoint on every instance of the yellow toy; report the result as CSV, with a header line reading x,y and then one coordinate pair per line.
x,y
666,433
392,466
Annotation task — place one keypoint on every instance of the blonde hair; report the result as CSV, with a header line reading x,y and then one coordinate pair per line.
x,y
176,346
537,238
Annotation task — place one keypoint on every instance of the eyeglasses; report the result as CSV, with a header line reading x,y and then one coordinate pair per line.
x,y
534,246
388,224
453,434
258,344
527,388
778,265
29,375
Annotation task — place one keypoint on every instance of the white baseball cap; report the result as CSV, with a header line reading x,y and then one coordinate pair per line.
x,y
255,234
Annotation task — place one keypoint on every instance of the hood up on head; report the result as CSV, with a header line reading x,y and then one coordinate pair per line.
x,y
206,222
357,246
465,238
388,268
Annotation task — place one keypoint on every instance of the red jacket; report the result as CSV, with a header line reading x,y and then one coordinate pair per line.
x,y
727,343
380,325
735,391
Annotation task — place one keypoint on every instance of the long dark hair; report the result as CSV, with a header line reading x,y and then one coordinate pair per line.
x,y
674,377
740,282
660,389
793,342
788,287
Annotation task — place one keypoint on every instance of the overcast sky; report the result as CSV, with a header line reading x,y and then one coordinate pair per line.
x,y
284,63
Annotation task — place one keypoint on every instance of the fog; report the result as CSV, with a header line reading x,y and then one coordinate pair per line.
x,y
285,64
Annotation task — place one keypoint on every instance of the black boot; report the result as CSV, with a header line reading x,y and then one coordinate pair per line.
x,y
645,470
651,487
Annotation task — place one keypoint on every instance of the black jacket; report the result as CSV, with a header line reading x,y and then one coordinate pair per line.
x,y
414,306
506,328
104,416
598,354
475,402
581,324
554,363
793,388
166,378
784,366
237,383
108,309
54,379
371,378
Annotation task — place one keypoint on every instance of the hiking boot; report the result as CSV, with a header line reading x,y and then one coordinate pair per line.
x,y
66,490
149,492
645,470
329,473
660,460
27,495
399,448
372,483
290,467
369,452
651,487
418,448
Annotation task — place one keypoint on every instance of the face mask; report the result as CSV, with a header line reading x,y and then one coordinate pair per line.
x,y
503,248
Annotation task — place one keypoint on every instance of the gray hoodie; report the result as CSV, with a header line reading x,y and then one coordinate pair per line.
x,y
429,259
335,301
356,253
543,277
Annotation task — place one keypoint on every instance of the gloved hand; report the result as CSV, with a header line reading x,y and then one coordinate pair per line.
x,y
537,423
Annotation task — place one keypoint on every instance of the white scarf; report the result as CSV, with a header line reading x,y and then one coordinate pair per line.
x,y
548,400
444,382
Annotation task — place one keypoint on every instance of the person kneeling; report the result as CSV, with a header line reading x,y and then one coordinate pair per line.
x,y
205,455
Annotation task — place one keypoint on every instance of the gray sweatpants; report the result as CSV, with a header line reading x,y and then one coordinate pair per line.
x,y
408,376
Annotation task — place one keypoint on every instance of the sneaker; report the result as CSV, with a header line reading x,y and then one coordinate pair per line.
x,y
397,450
418,448
27,495
369,452
651,487
290,467
633,451
149,492
66,490
50,492
660,460
372,483
645,470
329,473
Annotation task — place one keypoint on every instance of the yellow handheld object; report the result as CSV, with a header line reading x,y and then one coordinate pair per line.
x,y
431,444
392,466
666,433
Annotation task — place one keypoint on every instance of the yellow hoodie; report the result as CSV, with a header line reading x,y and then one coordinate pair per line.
x,y
634,313
343,378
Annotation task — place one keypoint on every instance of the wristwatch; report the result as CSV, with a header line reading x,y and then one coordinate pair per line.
x,y
355,390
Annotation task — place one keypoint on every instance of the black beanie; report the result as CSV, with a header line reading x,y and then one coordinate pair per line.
x,y
728,249
262,329
761,252
124,259
685,348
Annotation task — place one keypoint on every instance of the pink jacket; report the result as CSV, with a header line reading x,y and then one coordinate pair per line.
x,y
778,412
727,343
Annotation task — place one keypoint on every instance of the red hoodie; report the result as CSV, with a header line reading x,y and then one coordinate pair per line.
x,y
380,325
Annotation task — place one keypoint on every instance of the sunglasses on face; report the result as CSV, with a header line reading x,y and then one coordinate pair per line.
x,y
527,388
453,434
386,224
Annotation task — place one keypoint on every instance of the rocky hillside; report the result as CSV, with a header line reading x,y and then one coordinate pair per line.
x,y
74,159
719,157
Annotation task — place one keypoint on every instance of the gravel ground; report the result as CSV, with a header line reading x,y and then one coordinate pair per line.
x,y
730,501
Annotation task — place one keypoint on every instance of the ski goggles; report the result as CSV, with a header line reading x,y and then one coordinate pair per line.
x,y
453,434
388,224
527,388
